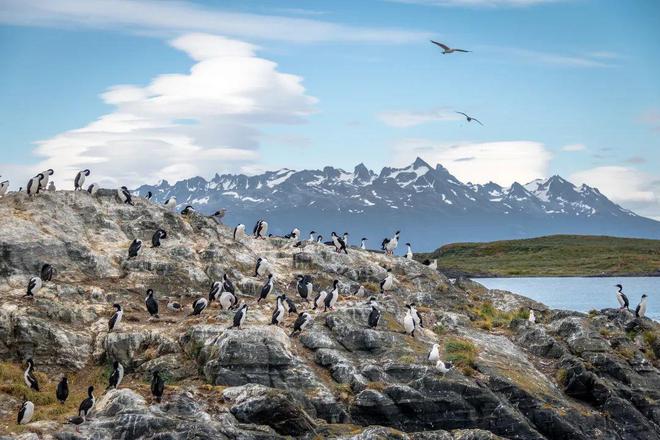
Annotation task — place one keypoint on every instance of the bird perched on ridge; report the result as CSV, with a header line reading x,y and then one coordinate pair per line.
x,y
80,179
159,235
134,248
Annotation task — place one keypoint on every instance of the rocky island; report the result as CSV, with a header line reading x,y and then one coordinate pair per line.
x,y
566,376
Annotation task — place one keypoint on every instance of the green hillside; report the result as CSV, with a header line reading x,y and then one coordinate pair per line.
x,y
555,255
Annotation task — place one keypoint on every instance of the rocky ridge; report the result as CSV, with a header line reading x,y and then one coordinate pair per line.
x,y
569,376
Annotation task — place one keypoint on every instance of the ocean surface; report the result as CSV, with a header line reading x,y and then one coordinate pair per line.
x,y
582,294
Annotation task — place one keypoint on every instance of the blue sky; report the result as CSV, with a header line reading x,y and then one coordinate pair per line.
x,y
563,87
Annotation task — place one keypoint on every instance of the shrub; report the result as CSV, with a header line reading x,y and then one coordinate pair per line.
x,y
461,352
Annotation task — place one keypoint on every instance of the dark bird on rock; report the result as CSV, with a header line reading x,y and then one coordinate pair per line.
x,y
62,390
80,179
157,237
187,210
302,321
117,375
149,195
157,386
134,248
151,303
446,49
198,306
470,118
125,196
239,317
86,405
47,272
267,288
115,319
622,298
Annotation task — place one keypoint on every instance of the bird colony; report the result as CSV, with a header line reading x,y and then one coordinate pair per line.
x,y
122,318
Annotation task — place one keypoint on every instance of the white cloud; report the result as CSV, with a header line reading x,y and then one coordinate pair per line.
x,y
405,118
633,189
477,3
548,58
500,162
181,125
175,17
573,147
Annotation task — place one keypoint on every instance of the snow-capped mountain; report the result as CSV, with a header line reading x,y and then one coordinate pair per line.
x,y
427,203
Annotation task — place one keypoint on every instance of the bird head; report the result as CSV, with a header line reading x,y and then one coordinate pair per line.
x,y
117,306
115,364
619,286
644,296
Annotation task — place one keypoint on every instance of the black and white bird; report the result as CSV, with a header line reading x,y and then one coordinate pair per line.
x,y
117,376
409,321
170,203
409,253
417,317
303,320
239,317
470,118
289,305
332,297
134,248
311,238
640,311
62,390
198,306
149,195
319,239
4,187
622,298
304,286
174,306
319,301
267,288
157,386
87,405
25,413
279,312
260,229
294,234
443,367
340,244
227,285
218,215
44,182
261,268
446,49
93,188
434,354
389,244
431,264
115,319
345,238
124,196
215,291
34,285
34,184
80,179
363,243
388,282
47,272
151,303
28,376
239,231
159,235
187,210
374,316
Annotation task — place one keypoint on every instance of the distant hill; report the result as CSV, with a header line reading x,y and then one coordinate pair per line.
x,y
555,255
428,205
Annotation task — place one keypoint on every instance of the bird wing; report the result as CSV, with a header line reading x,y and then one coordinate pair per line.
x,y
625,299
475,119
461,50
441,45
639,306
299,322
461,113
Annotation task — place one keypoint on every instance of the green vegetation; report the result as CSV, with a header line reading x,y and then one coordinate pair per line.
x,y
555,255
486,316
462,353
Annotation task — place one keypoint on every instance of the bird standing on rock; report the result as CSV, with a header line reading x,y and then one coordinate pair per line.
x,y
268,287
239,317
416,315
320,299
86,405
434,354
187,210
34,285
157,237
157,386
302,321
409,253
363,243
409,321
170,203
93,188
198,306
261,267
278,313
260,229
640,311
62,391
44,182
388,282
116,377
239,231
80,179
134,248
151,303
115,319
29,377
34,184
47,272
374,315
304,286
338,242
622,298
124,196
4,186
25,413
389,244
332,297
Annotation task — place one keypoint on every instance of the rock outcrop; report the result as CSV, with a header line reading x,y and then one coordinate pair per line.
x,y
569,376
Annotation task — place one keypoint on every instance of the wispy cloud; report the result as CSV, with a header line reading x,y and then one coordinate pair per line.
x,y
651,118
477,3
585,60
501,162
573,147
406,118
182,125
175,17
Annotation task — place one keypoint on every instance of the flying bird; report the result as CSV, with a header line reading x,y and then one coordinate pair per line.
x,y
446,49
470,118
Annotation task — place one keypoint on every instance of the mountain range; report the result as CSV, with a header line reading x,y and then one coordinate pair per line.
x,y
428,204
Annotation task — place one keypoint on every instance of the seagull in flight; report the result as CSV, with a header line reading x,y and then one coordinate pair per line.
x,y
446,49
470,118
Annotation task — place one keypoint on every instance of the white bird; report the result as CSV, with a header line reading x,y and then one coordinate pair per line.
x,y
239,231
532,317
409,322
34,184
44,182
80,179
446,49
311,238
389,244
25,413
442,366
170,203
434,354
388,282
363,243
409,254
4,186
640,311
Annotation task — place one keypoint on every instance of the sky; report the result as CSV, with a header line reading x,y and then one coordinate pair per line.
x,y
143,90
